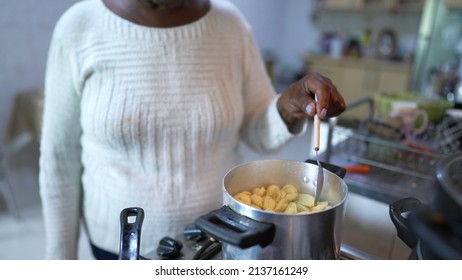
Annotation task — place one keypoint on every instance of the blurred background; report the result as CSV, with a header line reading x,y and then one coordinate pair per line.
x,y
365,46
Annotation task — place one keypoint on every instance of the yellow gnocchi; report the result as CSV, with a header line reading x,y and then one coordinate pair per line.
x,y
257,200
281,206
270,190
291,208
259,191
288,188
305,200
244,198
269,203
281,200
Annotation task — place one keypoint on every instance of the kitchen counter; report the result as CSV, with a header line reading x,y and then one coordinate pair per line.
x,y
384,185
397,170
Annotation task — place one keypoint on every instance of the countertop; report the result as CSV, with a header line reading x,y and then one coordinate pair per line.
x,y
397,169
386,186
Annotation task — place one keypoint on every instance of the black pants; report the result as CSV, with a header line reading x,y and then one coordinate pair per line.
x,y
101,254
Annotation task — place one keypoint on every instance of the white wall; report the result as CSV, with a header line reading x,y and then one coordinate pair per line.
x,y
284,27
300,35
25,32
26,27
265,17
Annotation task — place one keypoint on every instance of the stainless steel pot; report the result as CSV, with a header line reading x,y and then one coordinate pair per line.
x,y
434,231
250,233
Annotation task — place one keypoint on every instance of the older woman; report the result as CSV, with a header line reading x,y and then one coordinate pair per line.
x,y
145,104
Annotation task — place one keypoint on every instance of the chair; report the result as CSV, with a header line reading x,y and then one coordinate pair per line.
x,y
23,127
5,186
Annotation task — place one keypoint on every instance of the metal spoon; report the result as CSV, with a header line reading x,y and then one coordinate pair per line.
x,y
320,179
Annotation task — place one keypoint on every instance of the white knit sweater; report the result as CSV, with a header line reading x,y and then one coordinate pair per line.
x,y
147,117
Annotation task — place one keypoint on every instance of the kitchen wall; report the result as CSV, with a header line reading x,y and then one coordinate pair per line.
x,y
26,26
283,28
25,32
352,24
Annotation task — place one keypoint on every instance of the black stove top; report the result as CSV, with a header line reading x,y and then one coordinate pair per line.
x,y
190,249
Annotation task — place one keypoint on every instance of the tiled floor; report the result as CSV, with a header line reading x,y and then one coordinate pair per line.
x,y
24,238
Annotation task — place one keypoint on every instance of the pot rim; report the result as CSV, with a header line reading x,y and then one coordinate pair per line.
x,y
270,213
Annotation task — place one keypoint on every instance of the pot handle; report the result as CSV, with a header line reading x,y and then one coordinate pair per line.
x,y
130,233
397,211
337,170
228,226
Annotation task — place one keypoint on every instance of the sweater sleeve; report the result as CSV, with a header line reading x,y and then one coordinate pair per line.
x,y
264,129
60,154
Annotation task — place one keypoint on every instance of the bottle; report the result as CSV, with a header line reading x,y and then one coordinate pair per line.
x,y
336,47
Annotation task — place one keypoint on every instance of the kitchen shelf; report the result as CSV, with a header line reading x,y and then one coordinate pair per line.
x,y
398,168
414,156
453,4
371,6
414,159
395,170
361,77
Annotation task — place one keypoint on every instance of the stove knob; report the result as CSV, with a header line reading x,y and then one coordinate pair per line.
x,y
193,233
169,248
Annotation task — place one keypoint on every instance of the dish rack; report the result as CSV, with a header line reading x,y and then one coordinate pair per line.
x,y
416,158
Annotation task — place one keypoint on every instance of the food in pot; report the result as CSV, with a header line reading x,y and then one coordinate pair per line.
x,y
282,200
244,197
291,208
269,203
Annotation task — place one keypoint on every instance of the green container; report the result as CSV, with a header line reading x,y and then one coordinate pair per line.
x,y
435,108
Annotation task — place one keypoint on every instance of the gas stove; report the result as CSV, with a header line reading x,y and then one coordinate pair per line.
x,y
190,249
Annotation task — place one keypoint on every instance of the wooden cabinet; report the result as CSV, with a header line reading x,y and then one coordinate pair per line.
x,y
357,78
373,5
342,4
453,4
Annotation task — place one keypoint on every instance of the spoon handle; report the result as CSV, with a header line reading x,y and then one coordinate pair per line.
x,y
316,132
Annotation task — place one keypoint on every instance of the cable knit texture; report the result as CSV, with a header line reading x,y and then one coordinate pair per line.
x,y
147,117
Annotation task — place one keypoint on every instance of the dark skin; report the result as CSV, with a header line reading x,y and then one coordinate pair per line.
x,y
159,13
296,103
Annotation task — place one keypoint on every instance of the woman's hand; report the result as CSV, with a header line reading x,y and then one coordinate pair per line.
x,y
297,102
